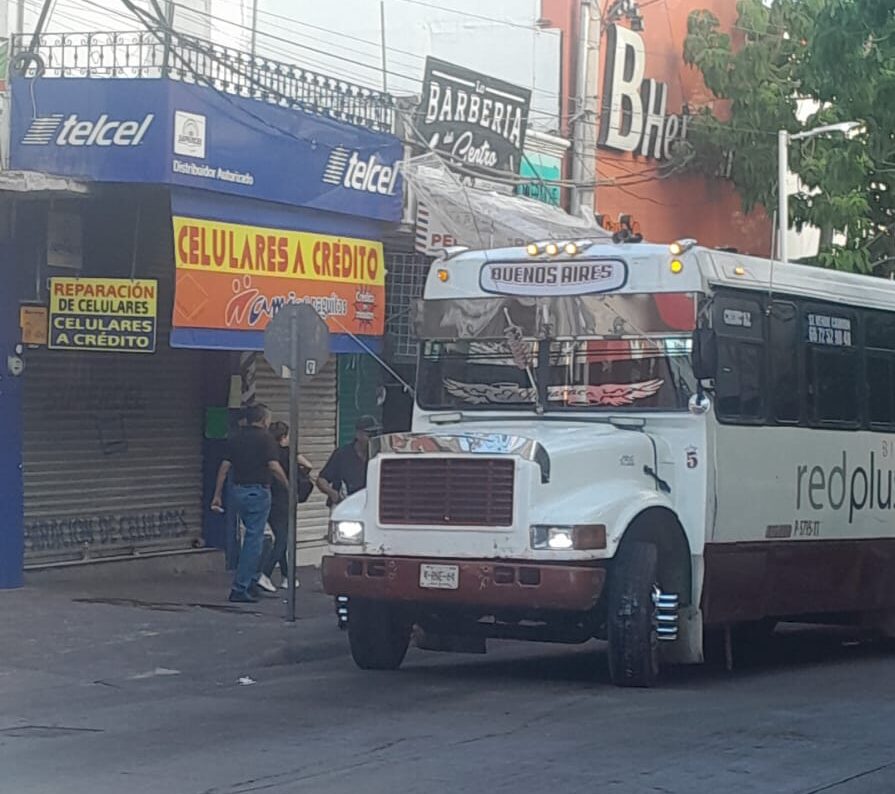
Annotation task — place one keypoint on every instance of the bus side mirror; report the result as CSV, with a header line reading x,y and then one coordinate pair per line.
x,y
705,354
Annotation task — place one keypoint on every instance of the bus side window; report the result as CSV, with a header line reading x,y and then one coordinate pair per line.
x,y
879,341
783,342
740,382
832,365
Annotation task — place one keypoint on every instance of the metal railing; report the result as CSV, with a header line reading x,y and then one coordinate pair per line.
x,y
156,54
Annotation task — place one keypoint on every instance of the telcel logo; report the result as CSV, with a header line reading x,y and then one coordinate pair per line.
x,y
72,131
346,168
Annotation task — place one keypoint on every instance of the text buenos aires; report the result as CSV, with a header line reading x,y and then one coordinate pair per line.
x,y
550,275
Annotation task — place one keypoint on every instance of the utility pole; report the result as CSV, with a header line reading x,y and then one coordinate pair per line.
x,y
584,135
254,28
382,40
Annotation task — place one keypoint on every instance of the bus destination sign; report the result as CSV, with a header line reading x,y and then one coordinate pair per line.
x,y
548,279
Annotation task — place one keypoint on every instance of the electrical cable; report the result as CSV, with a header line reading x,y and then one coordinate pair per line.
x,y
149,21
376,67
499,176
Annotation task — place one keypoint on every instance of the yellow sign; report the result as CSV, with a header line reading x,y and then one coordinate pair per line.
x,y
235,278
106,314
33,322
234,249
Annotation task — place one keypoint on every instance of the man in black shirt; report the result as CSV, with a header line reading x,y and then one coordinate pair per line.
x,y
254,459
346,470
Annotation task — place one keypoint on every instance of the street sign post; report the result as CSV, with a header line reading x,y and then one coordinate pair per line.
x,y
296,345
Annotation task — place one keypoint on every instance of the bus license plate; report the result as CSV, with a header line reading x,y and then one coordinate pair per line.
x,y
440,577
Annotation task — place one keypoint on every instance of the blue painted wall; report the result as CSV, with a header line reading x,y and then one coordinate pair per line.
x,y
11,497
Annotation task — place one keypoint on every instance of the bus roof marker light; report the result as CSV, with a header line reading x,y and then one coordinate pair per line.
x,y
551,249
532,249
443,275
679,247
739,270
571,248
676,266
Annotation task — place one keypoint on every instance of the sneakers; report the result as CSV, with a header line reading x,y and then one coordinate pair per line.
x,y
265,584
284,585
237,597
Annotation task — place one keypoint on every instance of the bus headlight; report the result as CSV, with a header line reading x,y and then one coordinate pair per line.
x,y
553,537
348,533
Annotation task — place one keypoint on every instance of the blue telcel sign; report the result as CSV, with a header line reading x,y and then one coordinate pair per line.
x,y
168,132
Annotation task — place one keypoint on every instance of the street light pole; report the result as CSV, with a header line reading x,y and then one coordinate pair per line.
x,y
783,138
782,195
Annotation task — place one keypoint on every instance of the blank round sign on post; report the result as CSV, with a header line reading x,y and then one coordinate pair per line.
x,y
296,345
298,321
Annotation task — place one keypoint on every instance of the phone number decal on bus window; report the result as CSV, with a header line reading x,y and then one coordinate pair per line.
x,y
826,330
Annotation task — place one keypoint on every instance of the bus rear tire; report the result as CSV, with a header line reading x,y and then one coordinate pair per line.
x,y
631,617
378,635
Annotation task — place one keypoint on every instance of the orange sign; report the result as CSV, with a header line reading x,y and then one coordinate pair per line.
x,y
33,322
235,277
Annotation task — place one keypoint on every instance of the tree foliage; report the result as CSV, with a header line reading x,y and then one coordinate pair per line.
x,y
840,56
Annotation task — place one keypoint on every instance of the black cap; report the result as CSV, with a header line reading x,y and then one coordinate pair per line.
x,y
369,424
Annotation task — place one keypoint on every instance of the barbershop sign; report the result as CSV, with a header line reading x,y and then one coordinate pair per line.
x,y
635,114
476,119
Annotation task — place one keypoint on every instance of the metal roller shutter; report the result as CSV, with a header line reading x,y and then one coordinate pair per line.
x,y
316,437
112,453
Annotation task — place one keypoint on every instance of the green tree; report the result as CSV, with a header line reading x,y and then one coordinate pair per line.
x,y
840,54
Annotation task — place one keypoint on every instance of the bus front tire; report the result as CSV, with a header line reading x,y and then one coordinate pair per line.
x,y
378,635
631,617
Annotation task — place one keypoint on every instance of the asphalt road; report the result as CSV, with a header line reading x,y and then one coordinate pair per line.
x,y
106,697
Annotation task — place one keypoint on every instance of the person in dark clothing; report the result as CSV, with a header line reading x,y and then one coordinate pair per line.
x,y
346,470
279,509
254,459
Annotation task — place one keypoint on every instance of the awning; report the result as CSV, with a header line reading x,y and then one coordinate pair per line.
x,y
483,219
37,182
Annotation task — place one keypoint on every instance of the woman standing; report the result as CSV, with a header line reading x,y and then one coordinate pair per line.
x,y
279,510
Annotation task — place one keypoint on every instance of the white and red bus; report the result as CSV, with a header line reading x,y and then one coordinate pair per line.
x,y
633,443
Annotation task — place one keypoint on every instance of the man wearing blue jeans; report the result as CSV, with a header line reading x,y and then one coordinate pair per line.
x,y
253,457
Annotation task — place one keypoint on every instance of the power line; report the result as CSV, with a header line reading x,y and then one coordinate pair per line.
x,y
338,33
377,67
458,163
471,15
148,21
260,31
372,66
82,22
517,179
292,56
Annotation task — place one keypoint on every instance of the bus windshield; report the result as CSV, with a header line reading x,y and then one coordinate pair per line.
x,y
493,374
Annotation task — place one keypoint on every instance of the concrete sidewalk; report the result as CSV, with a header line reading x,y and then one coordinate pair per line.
x,y
108,624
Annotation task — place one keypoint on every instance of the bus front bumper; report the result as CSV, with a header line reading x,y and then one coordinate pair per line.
x,y
475,583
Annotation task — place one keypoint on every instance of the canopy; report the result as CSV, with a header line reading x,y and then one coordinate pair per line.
x,y
485,219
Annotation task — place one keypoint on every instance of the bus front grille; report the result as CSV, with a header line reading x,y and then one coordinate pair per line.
x,y
426,490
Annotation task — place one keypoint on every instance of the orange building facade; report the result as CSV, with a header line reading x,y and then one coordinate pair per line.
x,y
645,94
